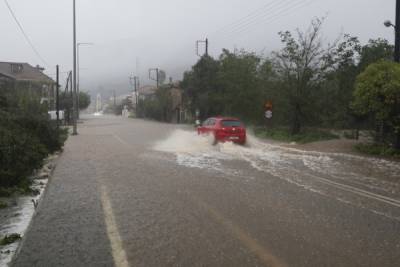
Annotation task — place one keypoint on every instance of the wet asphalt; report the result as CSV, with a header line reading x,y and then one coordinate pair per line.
x,y
112,192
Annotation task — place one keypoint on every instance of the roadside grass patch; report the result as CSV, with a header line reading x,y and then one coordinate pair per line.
x,y
306,136
23,188
377,150
9,239
3,205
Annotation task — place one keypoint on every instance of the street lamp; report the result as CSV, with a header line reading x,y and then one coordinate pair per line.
x,y
74,131
388,24
77,59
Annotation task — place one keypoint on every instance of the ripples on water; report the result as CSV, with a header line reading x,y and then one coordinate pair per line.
x,y
293,165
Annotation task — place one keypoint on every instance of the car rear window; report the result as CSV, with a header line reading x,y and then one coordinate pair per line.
x,y
231,123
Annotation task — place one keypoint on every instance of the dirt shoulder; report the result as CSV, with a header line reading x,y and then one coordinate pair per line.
x,y
345,146
329,146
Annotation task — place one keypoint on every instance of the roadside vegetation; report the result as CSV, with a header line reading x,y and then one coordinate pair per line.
x,y
377,149
311,83
307,135
9,239
66,103
27,136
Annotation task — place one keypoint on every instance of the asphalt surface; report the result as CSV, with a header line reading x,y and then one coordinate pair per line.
x,y
137,193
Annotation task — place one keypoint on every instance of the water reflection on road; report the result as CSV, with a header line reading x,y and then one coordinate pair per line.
x,y
369,183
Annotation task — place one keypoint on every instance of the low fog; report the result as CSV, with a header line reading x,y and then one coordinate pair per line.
x,y
129,37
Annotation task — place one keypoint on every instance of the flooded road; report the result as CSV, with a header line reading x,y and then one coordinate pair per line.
x,y
138,193
330,174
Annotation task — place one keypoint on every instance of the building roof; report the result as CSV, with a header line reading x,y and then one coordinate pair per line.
x,y
147,90
23,72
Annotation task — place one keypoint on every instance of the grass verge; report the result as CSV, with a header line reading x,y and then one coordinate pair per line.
x,y
9,239
306,136
377,150
3,205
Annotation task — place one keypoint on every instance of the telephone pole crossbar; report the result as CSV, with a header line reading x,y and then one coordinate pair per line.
x,y
206,47
157,75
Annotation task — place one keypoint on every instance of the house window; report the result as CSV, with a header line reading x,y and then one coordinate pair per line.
x,y
16,68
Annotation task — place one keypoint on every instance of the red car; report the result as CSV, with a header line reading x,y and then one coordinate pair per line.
x,y
224,129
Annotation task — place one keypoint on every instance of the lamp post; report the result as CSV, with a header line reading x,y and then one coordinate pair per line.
x,y
74,104
77,63
396,27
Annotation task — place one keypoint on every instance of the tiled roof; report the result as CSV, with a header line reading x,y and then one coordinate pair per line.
x,y
23,72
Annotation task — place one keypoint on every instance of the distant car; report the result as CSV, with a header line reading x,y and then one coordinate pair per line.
x,y
224,129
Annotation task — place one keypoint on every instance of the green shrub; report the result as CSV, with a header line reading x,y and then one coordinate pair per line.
x,y
9,239
27,136
378,150
20,153
3,205
306,136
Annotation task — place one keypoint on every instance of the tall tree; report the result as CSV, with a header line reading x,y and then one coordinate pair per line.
x,y
302,65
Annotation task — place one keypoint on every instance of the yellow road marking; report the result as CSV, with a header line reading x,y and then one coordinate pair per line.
x,y
118,251
266,257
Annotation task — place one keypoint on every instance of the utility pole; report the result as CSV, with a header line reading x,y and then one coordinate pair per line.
x,y
397,36
78,72
77,80
57,95
396,27
75,130
136,90
157,76
206,47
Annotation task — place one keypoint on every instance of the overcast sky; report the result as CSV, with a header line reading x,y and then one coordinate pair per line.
x,y
131,36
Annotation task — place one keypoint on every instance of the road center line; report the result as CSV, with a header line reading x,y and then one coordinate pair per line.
x,y
266,257
117,249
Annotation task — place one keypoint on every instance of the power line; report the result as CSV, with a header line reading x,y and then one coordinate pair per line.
x,y
281,8
259,13
250,15
24,33
274,17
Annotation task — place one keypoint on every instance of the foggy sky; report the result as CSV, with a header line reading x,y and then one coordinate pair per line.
x,y
131,36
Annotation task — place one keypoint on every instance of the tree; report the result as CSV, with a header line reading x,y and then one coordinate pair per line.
x,y
239,92
303,65
299,65
84,100
378,93
199,83
374,51
66,100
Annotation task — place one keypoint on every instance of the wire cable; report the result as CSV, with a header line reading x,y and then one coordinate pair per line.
x,y
250,16
24,34
268,15
281,13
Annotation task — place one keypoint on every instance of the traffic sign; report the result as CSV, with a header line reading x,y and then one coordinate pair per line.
x,y
268,114
268,105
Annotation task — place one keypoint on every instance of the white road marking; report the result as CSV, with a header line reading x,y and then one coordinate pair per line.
x,y
117,248
355,190
120,140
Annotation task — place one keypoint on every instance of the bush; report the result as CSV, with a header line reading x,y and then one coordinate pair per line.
x,y
27,136
284,134
9,239
378,150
